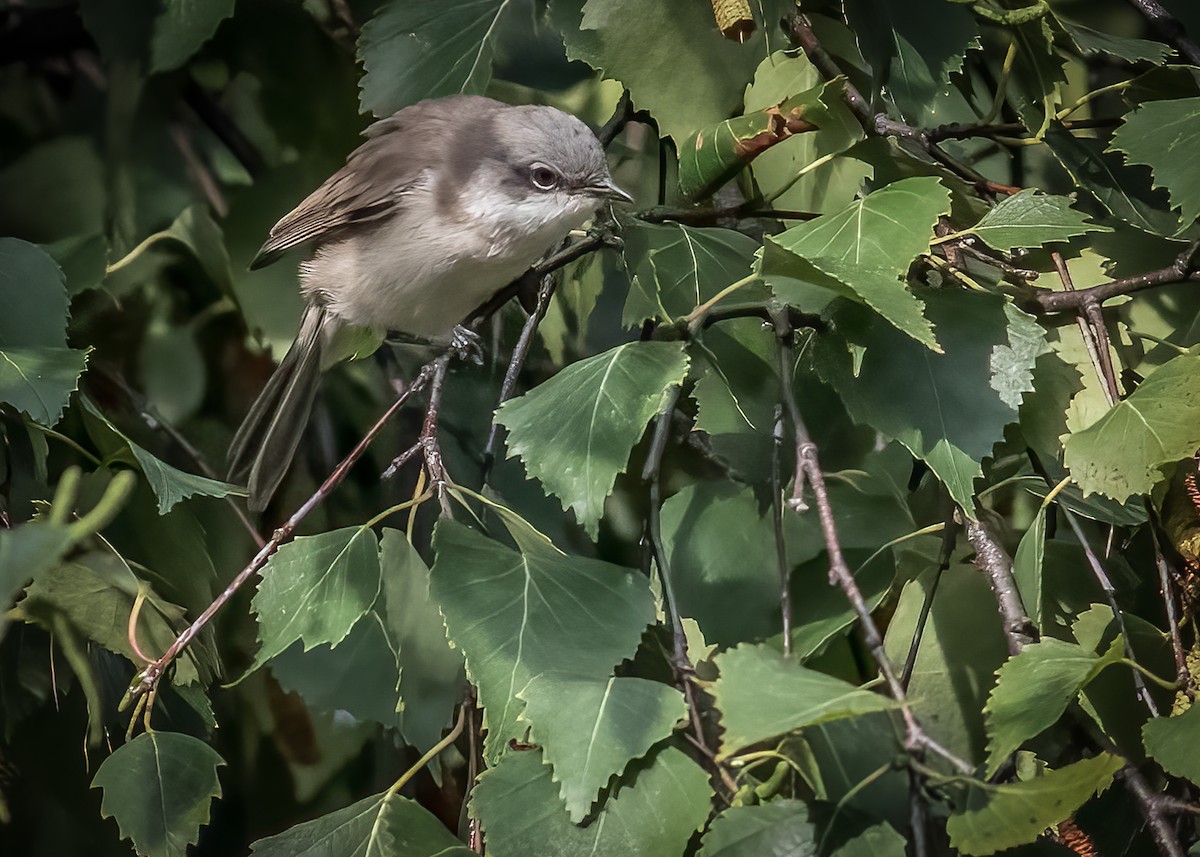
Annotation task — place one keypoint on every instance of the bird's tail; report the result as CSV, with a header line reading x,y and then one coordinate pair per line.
x,y
264,445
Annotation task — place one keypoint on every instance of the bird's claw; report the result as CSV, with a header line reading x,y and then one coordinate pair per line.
x,y
467,345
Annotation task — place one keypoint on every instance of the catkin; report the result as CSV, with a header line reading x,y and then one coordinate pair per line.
x,y
734,19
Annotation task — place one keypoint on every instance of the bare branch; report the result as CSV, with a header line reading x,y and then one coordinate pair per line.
x,y
1171,28
1183,268
996,565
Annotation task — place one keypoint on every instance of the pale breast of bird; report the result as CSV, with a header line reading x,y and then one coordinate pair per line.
x,y
424,270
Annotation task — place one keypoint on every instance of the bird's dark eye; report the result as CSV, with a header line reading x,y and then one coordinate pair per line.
x,y
543,177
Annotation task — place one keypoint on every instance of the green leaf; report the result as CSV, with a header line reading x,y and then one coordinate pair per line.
x,y
830,181
170,484
25,552
865,250
40,381
589,729
655,814
675,268
913,48
431,672
996,817
777,829
518,615
1094,42
1125,191
721,552
669,55
1124,451
882,840
1032,219
944,407
1172,742
961,648
182,28
1164,135
383,825
1035,86
1027,567
417,49
195,230
1034,688
95,593
33,292
314,589
714,155
574,432
761,694
159,787
1012,365
83,260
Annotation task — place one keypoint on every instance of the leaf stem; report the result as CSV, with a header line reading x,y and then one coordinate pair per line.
x,y
431,753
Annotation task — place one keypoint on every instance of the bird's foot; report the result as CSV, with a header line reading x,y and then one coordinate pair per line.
x,y
467,344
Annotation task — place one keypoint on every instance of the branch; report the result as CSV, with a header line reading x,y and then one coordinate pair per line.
x,y
958,131
148,679
1094,332
996,564
1182,269
808,465
709,216
799,28
1170,26
785,589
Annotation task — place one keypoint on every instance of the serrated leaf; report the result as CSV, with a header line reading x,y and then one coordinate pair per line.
x,y
314,589
517,615
1174,742
1094,42
996,817
195,229
778,829
417,49
654,814
715,154
1012,364
1124,190
159,787
182,28
575,432
1032,219
1164,135
941,406
761,694
1123,452
1034,688
383,825
675,268
670,55
40,381
913,48
865,250
589,729
170,484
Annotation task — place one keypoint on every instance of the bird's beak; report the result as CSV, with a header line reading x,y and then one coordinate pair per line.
x,y
606,187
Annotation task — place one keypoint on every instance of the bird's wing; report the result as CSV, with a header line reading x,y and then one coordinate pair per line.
x,y
372,184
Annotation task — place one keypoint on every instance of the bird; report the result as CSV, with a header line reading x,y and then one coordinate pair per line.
x,y
447,201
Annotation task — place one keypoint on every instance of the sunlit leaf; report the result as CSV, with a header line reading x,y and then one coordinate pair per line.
x,y
1123,453
1172,742
1031,219
1034,688
760,694
865,250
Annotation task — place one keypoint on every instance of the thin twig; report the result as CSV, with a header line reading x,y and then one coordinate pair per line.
x,y
1168,597
1183,268
949,537
964,132
785,588
149,677
1091,326
430,445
